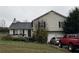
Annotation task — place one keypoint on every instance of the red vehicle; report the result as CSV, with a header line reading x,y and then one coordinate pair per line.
x,y
72,41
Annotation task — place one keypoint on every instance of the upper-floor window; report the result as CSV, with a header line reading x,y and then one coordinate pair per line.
x,y
41,24
61,24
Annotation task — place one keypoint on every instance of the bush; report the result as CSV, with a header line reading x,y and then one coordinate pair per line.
x,y
32,39
41,39
4,30
8,37
40,36
29,39
13,38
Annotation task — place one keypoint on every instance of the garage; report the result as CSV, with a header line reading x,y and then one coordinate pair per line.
x,y
54,34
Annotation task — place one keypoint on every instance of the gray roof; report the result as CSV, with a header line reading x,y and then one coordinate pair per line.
x,y
21,25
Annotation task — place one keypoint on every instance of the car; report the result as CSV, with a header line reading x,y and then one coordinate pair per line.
x,y
54,40
70,40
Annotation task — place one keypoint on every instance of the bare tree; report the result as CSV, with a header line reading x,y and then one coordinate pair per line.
x,y
2,23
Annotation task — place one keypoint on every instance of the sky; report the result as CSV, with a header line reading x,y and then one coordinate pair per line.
x,y
28,13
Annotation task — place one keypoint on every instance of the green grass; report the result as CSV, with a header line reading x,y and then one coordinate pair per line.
x,y
28,47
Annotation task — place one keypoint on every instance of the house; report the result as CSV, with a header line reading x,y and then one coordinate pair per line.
x,y
52,21
20,29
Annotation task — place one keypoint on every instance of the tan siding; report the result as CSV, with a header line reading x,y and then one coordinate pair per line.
x,y
52,21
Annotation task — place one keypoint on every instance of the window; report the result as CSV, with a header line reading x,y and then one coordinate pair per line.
x,y
41,24
61,24
29,33
22,32
16,32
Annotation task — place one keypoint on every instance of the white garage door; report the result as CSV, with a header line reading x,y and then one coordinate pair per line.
x,y
54,34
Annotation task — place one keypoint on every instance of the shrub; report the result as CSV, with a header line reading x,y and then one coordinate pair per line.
x,y
13,38
8,37
31,39
4,30
41,36
28,40
41,39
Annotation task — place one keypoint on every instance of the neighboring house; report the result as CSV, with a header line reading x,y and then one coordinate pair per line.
x,y
20,29
52,21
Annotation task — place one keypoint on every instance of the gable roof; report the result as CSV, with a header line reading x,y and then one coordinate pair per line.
x,y
48,13
21,25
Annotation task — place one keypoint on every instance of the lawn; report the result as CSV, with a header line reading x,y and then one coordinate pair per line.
x,y
28,47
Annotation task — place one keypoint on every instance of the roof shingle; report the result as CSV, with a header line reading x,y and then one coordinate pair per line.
x,y
21,25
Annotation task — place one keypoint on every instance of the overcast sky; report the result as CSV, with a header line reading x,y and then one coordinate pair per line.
x,y
28,13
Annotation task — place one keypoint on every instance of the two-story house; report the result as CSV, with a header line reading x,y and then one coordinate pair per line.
x,y
52,21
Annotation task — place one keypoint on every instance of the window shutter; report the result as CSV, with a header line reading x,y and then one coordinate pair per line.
x,y
44,24
59,25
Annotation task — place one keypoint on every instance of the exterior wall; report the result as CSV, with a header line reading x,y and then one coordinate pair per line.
x,y
52,21
26,33
18,32
10,32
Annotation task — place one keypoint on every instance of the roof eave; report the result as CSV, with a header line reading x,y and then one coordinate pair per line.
x,y
47,13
